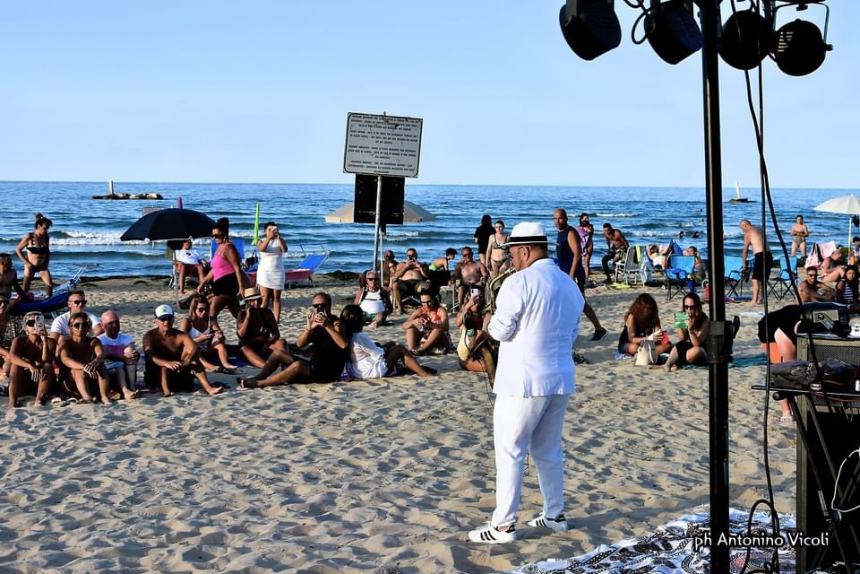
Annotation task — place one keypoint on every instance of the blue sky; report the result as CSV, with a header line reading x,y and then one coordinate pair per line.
x,y
259,91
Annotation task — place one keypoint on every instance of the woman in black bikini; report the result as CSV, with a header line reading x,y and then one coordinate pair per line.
x,y
37,245
496,254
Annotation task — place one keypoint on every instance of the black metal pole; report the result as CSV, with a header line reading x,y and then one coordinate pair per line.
x,y
718,374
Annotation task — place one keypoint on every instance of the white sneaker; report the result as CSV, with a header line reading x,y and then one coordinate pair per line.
x,y
489,535
558,524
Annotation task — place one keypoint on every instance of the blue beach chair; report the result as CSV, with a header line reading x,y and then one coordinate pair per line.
x,y
734,275
679,274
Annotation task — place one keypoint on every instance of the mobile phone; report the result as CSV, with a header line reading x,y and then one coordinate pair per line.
x,y
475,293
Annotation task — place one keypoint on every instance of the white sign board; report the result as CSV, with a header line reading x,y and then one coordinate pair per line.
x,y
382,145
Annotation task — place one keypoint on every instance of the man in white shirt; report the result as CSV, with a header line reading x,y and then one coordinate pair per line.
x,y
60,325
536,321
120,354
186,259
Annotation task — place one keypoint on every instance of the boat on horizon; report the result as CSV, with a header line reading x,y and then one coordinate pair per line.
x,y
737,198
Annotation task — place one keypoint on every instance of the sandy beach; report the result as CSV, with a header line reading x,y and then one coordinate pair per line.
x,y
382,475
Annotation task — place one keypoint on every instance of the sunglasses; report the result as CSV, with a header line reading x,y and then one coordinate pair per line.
x,y
689,306
201,309
78,302
320,307
372,278
80,325
217,235
31,323
4,302
430,302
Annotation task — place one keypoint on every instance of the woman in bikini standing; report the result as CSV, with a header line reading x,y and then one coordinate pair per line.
x,y
37,245
496,254
228,280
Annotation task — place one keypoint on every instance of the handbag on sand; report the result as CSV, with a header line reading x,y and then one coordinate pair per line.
x,y
646,354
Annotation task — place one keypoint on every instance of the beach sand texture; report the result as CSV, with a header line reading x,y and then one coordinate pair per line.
x,y
383,475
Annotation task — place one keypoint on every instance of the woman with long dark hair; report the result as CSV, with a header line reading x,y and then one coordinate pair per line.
x,y
641,322
225,273
690,348
37,244
848,287
482,236
367,360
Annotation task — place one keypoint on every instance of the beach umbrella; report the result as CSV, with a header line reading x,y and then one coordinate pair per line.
x,y
171,223
846,204
412,213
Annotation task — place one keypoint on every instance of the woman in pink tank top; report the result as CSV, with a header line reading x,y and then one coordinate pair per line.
x,y
228,280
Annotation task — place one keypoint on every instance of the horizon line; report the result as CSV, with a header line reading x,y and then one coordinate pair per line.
x,y
563,186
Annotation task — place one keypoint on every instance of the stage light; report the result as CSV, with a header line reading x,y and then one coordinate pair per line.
x,y
671,30
799,46
590,27
747,38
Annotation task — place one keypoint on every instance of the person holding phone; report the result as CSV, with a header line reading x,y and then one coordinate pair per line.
x,y
690,348
270,271
329,351
31,357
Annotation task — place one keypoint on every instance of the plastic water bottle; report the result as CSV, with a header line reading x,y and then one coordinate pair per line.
x,y
691,286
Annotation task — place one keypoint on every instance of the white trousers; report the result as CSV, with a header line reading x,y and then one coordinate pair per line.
x,y
522,425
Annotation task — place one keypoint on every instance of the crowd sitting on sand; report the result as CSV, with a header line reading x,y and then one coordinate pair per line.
x,y
82,357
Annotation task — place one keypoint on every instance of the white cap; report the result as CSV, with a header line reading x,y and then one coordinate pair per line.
x,y
163,311
527,233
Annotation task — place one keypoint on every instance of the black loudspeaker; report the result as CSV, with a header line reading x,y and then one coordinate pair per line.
x,y
393,190
846,350
839,435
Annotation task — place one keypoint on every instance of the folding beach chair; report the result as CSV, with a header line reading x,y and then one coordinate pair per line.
x,y
679,274
305,270
781,284
238,243
627,266
734,275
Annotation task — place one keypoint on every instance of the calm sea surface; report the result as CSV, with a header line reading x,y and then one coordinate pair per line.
x,y
88,231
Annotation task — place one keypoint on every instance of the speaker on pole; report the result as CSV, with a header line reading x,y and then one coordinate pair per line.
x,y
393,190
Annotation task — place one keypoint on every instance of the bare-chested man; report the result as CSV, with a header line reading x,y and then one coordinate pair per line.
x,y
616,248
9,281
812,290
32,361
83,357
258,330
471,274
799,233
762,258
406,278
172,362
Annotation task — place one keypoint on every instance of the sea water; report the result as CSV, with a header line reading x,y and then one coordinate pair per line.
x,y
88,231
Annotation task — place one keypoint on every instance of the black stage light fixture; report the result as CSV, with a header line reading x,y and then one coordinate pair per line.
x,y
800,47
747,38
590,27
671,30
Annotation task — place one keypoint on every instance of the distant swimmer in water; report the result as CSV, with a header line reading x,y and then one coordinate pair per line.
x,y
695,235
681,234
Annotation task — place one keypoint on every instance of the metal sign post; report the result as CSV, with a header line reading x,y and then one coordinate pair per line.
x,y
382,146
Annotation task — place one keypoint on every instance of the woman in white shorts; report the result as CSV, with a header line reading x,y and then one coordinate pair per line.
x,y
270,271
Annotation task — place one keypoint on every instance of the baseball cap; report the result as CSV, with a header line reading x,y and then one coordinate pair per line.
x,y
163,312
527,233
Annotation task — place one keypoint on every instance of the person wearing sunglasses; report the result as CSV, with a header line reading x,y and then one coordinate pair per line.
x,y
471,273
407,277
257,329
84,376
373,299
210,343
536,322
427,328
121,355
172,360
31,360
60,327
225,274
329,351
692,334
